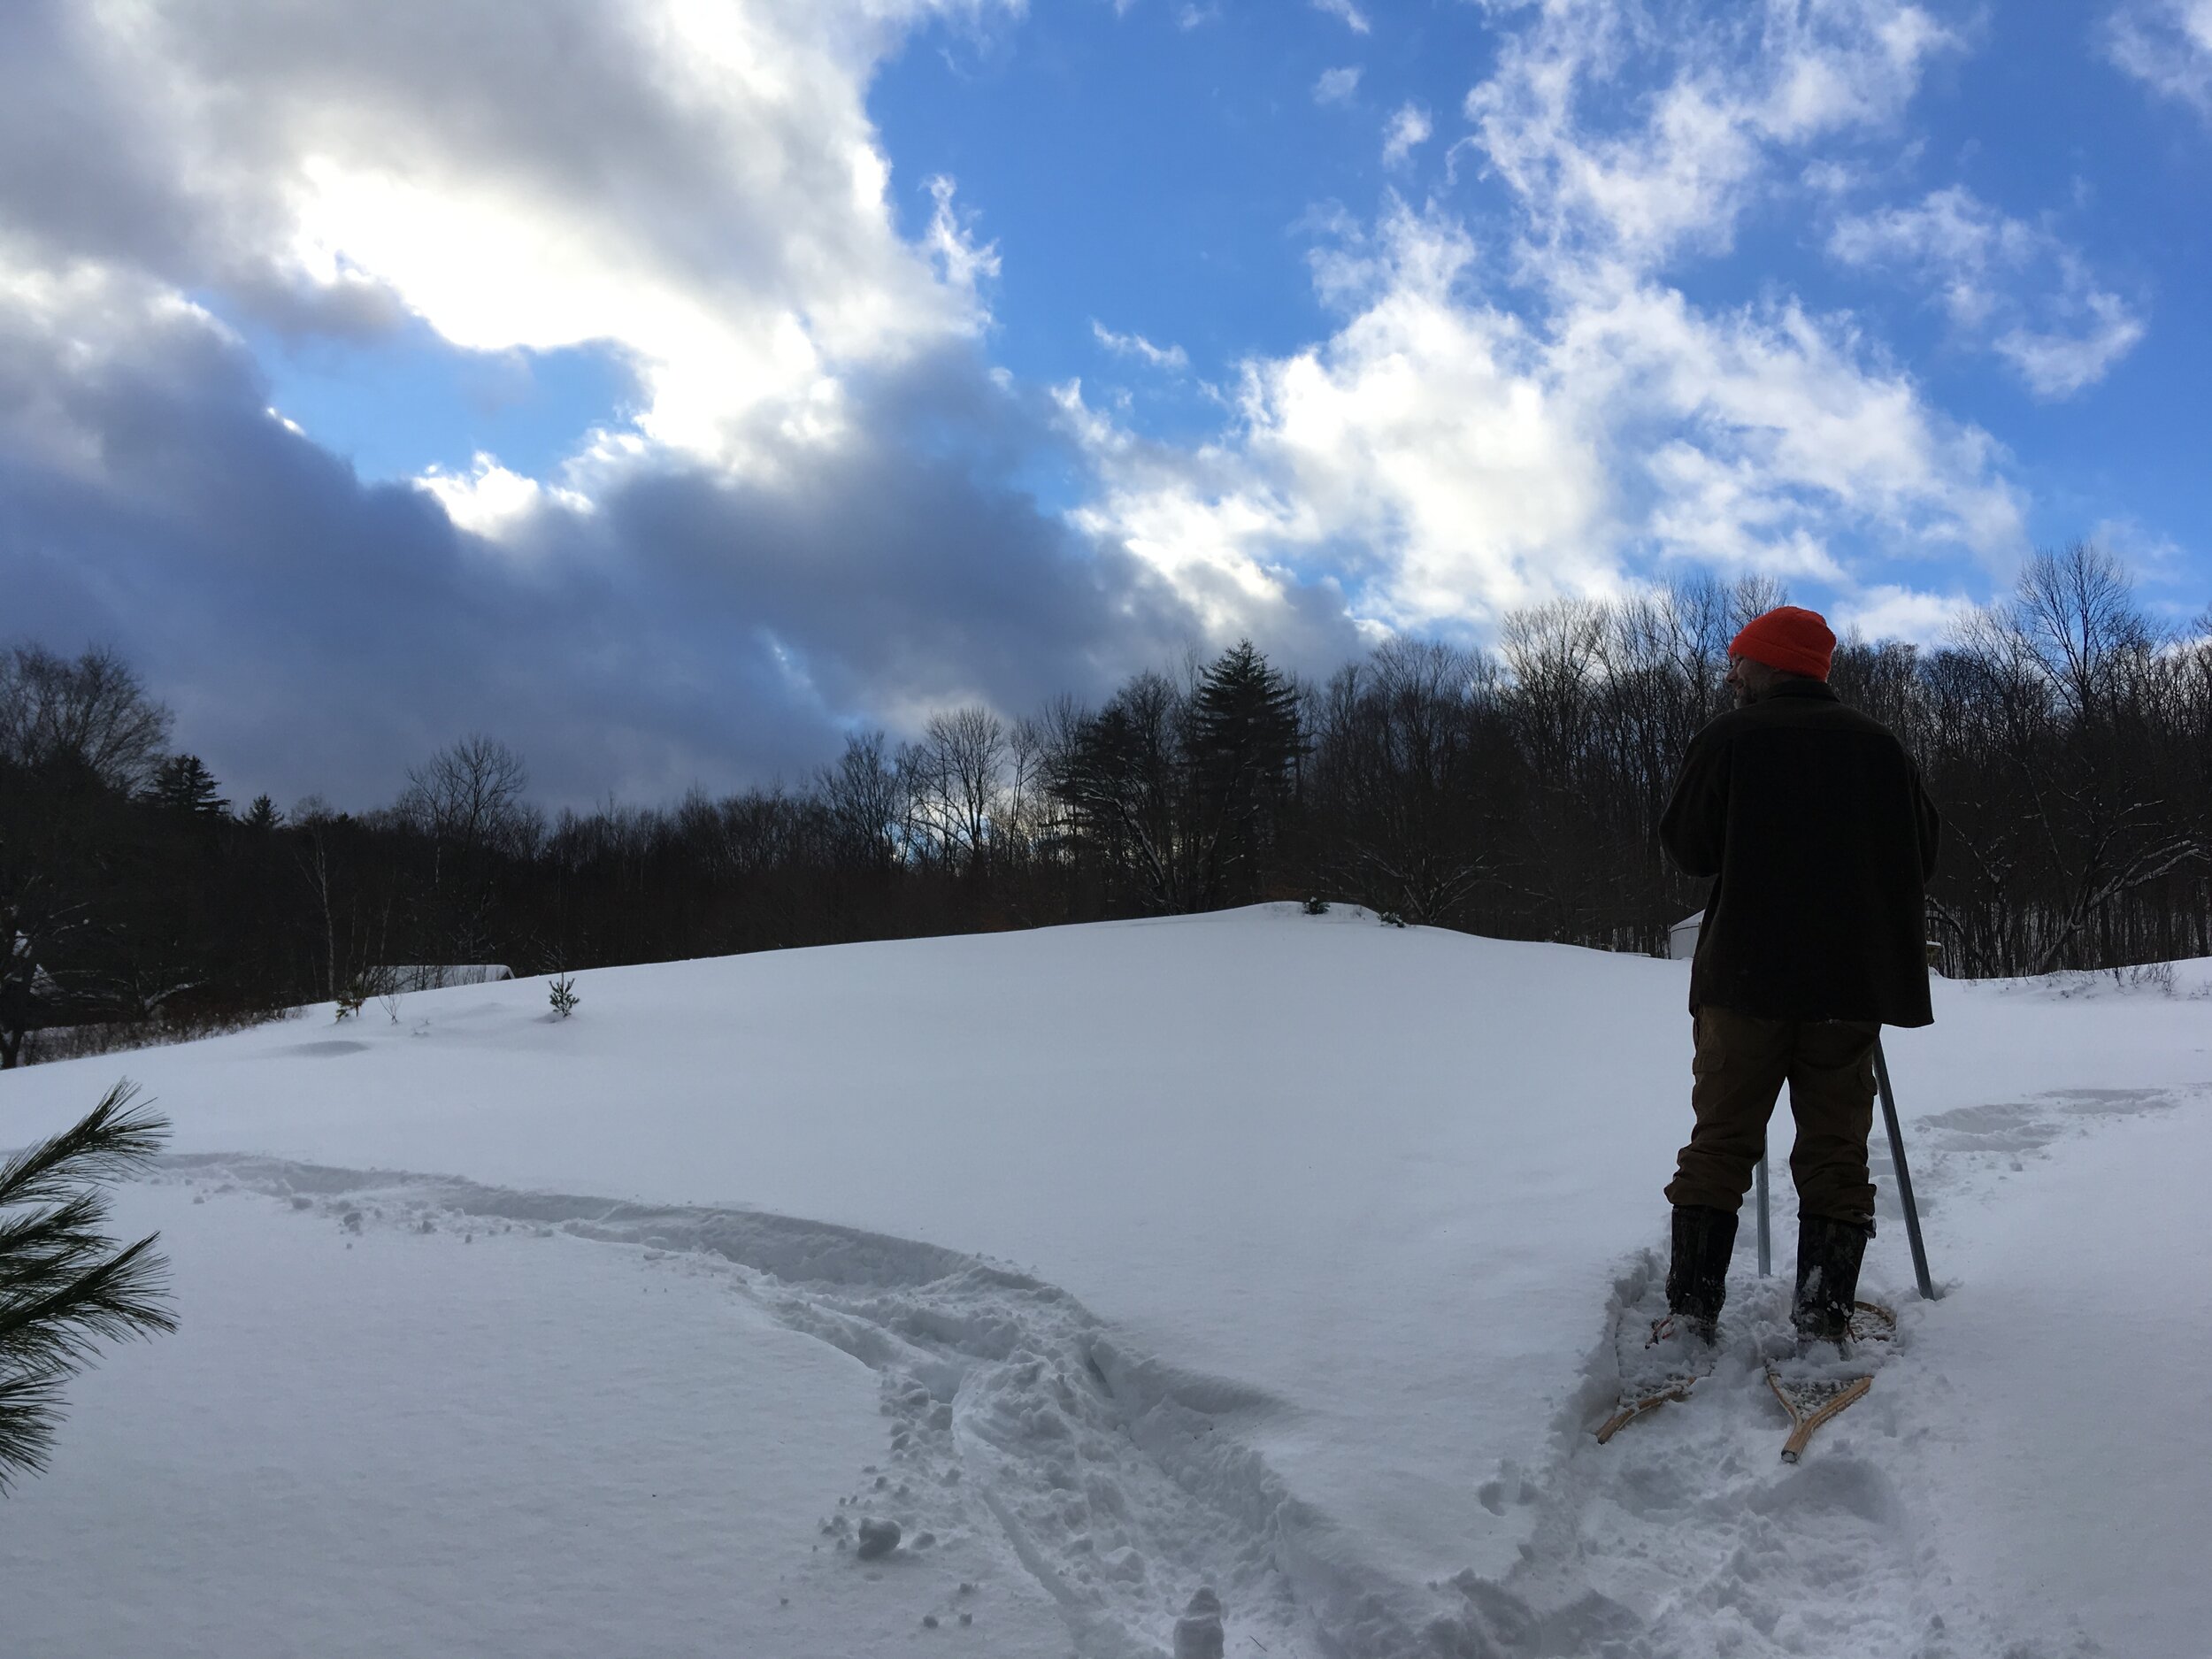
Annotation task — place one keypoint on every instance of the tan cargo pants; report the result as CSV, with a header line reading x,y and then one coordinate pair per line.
x,y
1741,1064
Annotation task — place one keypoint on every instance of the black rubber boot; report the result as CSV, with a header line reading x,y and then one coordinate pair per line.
x,y
1697,1279
1828,1257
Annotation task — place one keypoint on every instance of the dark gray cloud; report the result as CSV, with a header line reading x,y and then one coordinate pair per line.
x,y
179,139
318,632
83,172
315,633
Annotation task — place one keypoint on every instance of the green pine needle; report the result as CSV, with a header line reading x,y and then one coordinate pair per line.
x,y
65,1288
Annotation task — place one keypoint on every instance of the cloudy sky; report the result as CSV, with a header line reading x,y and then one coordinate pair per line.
x,y
670,386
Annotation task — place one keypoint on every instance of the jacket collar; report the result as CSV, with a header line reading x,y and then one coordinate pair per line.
x,y
1800,687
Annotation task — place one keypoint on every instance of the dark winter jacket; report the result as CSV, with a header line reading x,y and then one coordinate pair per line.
x,y
1814,820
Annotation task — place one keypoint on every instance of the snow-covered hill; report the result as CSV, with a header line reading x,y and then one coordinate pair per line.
x,y
1261,1251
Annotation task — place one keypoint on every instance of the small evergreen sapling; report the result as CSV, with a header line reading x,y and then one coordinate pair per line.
x,y
1317,906
562,995
64,1286
351,999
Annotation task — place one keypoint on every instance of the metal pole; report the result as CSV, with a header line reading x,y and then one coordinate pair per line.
x,y
1766,1247
1904,1175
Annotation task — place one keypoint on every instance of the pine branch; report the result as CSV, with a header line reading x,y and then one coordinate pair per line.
x,y
62,1293
30,1412
34,1247
113,1142
123,1297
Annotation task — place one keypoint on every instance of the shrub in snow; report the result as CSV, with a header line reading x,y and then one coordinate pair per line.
x,y
562,996
64,1286
1390,918
1317,906
349,1000
2154,977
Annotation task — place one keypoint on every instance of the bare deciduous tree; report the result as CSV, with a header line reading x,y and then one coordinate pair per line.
x,y
953,779
470,795
1513,791
92,711
862,793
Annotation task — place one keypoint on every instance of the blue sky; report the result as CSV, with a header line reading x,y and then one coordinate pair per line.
x,y
1158,168
400,404
673,389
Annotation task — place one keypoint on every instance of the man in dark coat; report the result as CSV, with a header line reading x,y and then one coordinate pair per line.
x,y
1812,820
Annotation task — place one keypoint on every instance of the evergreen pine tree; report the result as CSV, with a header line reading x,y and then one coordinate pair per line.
x,y
1123,781
261,815
1245,746
184,784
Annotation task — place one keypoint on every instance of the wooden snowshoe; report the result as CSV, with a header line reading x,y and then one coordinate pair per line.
x,y
1812,1392
1633,1406
1645,1387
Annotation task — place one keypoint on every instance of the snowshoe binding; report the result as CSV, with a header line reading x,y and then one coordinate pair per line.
x,y
1681,1344
1827,1375
1670,1360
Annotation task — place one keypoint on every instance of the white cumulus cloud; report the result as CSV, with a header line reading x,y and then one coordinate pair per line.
x,y
695,186
1337,86
691,188
1407,129
1887,611
1135,345
1352,17
2015,287
2058,362
1678,173
2167,45
1457,447
489,499
1448,460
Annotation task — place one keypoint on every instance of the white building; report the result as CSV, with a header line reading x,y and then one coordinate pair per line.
x,y
437,976
1682,937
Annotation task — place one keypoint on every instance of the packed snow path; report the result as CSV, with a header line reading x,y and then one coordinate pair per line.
x,y
1345,1360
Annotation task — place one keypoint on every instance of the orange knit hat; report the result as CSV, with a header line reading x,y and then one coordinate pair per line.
x,y
1792,640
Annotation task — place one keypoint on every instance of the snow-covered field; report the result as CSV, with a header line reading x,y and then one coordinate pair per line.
x,y
1264,1252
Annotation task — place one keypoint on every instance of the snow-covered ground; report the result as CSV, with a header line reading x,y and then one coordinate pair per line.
x,y
1266,1252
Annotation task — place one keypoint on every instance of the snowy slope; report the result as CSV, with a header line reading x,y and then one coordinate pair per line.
x,y
1260,1250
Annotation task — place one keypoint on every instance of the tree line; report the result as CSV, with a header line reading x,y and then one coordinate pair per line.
x,y
1514,792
